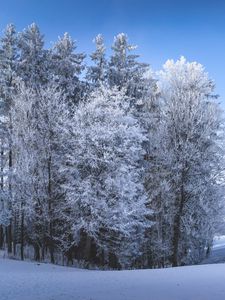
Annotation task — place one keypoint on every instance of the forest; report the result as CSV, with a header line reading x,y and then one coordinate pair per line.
x,y
106,164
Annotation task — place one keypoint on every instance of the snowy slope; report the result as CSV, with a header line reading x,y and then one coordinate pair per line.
x,y
217,254
219,242
30,281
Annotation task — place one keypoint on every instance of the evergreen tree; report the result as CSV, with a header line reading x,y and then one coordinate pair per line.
x,y
124,70
97,74
34,59
67,67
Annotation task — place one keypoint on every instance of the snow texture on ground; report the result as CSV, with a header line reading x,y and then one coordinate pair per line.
x,y
32,281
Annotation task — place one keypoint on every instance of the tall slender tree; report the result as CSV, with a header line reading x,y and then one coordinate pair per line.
x,y
8,74
67,67
33,59
124,70
97,74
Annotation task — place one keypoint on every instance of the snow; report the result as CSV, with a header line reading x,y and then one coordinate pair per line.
x,y
217,254
26,281
219,242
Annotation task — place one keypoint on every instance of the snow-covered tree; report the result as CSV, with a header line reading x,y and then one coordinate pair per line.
x,y
37,144
194,158
8,66
124,70
97,74
33,59
104,183
67,67
8,74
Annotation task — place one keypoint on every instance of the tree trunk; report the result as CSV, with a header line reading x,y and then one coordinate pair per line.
x,y
2,165
36,252
1,237
2,187
9,229
51,245
22,236
43,252
87,249
9,237
102,258
14,231
113,261
176,228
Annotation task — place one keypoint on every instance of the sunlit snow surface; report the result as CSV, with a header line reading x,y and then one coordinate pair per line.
x,y
31,281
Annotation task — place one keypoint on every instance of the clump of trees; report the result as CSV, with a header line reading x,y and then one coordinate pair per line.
x,y
107,163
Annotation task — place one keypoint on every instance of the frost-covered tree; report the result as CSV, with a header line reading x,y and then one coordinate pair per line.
x,y
103,173
194,158
8,66
8,74
23,137
97,74
37,143
51,115
67,67
124,70
33,59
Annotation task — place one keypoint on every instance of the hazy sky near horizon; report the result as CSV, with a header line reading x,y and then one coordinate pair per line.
x,y
162,29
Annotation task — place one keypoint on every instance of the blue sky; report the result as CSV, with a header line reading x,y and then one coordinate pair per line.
x,y
162,29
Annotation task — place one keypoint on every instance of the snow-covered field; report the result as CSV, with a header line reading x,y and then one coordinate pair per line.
x,y
32,281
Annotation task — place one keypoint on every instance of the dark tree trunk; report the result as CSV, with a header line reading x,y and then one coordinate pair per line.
x,y
52,254
9,229
22,237
2,165
102,258
36,252
43,253
2,187
87,249
14,234
69,256
208,251
1,237
9,237
176,228
113,261
51,245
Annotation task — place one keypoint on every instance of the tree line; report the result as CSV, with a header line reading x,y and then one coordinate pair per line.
x,y
107,164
